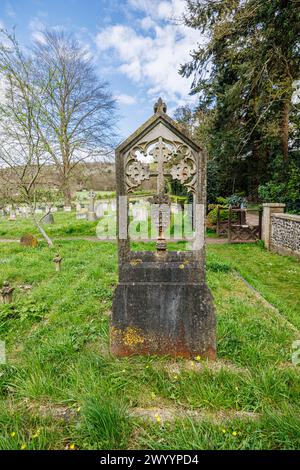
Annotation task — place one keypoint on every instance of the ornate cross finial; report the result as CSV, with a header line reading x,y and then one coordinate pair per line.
x,y
160,106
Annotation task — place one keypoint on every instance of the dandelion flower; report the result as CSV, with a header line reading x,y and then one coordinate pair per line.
x,y
198,358
223,431
157,417
234,433
72,446
23,446
13,434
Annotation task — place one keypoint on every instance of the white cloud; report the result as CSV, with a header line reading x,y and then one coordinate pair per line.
x,y
147,23
152,58
126,99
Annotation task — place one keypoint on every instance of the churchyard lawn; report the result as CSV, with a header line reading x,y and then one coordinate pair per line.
x,y
61,389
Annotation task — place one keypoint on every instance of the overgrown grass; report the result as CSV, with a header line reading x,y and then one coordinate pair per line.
x,y
61,388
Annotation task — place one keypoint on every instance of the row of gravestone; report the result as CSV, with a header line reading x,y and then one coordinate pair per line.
x,y
82,210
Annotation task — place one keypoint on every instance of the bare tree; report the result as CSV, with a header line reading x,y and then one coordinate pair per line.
x,y
77,108
22,152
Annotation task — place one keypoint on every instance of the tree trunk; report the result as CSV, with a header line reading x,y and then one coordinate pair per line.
x,y
67,194
285,130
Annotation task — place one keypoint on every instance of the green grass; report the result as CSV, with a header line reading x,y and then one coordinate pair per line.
x,y
60,386
66,226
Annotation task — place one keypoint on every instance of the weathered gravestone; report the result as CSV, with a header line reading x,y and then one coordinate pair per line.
x,y
29,240
162,304
82,215
91,216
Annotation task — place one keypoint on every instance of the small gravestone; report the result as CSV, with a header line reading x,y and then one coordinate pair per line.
x,y
48,219
7,293
29,240
57,261
67,208
162,304
81,215
91,216
12,216
99,211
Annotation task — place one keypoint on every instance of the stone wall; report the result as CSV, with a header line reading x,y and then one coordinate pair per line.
x,y
285,234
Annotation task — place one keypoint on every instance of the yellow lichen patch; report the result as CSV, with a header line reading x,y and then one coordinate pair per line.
x,y
136,261
131,337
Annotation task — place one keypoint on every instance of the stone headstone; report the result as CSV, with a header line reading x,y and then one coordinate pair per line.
x,y
67,208
99,210
29,240
12,216
53,209
162,304
81,215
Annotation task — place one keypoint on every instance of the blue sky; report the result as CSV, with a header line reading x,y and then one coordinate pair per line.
x,y
137,46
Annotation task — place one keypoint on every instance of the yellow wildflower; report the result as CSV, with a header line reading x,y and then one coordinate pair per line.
x,y
13,434
234,433
198,358
223,431
72,446
78,409
157,417
23,446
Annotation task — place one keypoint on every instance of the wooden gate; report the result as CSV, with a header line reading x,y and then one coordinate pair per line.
x,y
241,232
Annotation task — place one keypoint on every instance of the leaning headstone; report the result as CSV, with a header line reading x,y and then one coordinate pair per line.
x,y
162,304
29,240
48,219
